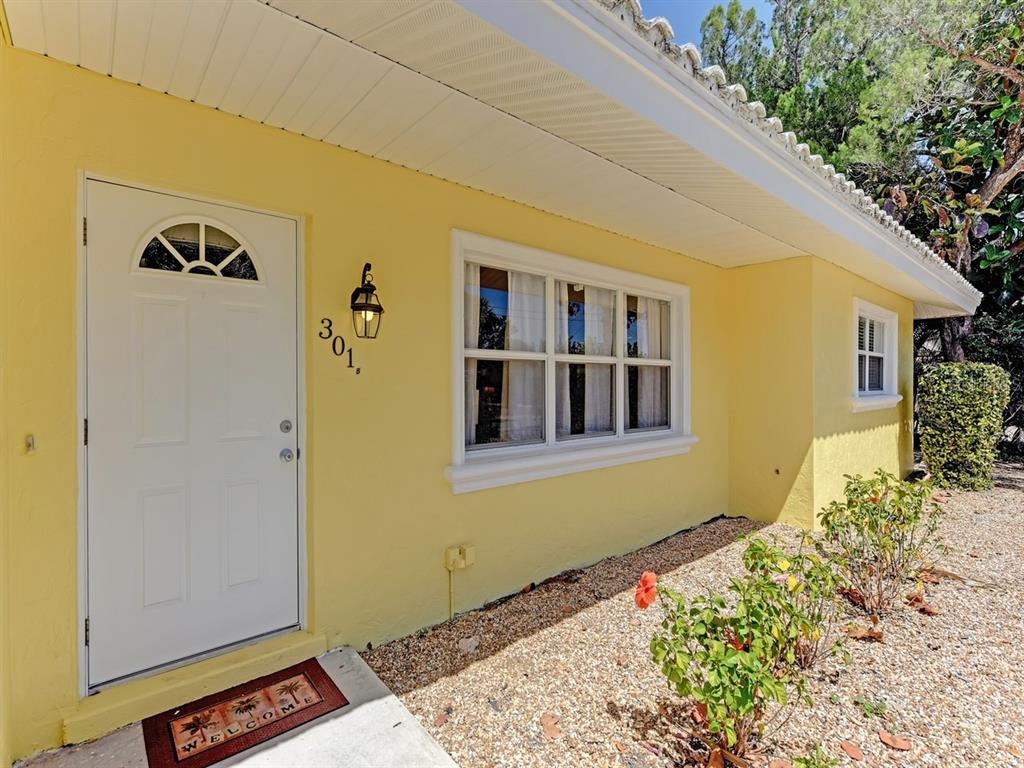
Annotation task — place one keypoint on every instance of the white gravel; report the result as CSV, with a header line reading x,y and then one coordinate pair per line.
x,y
575,650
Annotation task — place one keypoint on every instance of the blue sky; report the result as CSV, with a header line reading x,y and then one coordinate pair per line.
x,y
685,16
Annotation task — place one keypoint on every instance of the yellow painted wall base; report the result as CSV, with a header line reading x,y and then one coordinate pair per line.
x,y
109,710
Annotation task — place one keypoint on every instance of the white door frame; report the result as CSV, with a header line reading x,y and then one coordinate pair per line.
x,y
82,334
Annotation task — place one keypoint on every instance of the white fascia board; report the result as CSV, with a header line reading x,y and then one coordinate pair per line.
x,y
585,40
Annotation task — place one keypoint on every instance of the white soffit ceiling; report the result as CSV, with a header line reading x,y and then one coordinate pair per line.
x,y
464,103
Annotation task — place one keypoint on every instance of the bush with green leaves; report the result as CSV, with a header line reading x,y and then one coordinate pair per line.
x,y
733,658
807,583
884,532
960,410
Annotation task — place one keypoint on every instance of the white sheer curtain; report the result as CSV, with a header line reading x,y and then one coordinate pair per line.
x,y
471,297
652,395
599,325
525,331
563,412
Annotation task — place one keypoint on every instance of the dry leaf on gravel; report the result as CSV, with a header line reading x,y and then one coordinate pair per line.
x,y
860,632
896,742
440,719
852,750
549,724
853,595
916,601
1016,751
717,759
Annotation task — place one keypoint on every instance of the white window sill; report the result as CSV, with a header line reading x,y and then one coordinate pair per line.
x,y
861,403
481,472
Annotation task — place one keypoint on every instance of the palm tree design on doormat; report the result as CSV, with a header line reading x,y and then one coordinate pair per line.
x,y
198,724
290,689
246,706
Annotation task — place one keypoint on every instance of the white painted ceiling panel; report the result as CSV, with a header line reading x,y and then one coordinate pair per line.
x,y
477,152
357,74
96,39
394,105
359,17
317,66
239,27
166,35
131,39
60,18
205,23
25,18
292,56
441,131
260,54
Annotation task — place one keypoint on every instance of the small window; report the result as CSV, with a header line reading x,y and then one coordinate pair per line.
x,y
875,357
870,355
198,248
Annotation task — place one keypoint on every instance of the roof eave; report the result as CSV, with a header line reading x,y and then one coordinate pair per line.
x,y
590,42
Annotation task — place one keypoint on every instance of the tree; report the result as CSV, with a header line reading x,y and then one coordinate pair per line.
x,y
733,38
920,102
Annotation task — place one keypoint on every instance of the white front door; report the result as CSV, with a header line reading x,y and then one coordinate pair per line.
x,y
191,432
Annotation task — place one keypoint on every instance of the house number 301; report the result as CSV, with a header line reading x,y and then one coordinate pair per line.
x,y
338,345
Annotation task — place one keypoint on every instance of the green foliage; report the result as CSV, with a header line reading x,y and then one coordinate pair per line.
x,y
871,707
960,407
817,759
736,661
884,532
921,103
998,338
806,589
733,38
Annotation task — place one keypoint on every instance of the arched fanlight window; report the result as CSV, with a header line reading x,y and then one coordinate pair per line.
x,y
198,248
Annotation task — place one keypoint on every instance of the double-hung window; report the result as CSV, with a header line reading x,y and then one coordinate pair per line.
x,y
875,358
562,365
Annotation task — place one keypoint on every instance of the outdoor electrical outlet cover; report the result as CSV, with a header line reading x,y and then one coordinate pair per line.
x,y
453,559
468,554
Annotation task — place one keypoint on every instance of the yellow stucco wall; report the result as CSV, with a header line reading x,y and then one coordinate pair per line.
x,y
768,343
5,223
846,442
380,511
770,391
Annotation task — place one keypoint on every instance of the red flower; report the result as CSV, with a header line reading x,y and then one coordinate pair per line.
x,y
646,590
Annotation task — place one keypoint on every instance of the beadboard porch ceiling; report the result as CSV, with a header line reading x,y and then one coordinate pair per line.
x,y
503,97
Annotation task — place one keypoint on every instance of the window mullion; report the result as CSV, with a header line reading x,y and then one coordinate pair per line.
x,y
620,370
549,364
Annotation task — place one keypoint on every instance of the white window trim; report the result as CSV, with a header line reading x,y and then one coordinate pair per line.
x,y
476,470
889,397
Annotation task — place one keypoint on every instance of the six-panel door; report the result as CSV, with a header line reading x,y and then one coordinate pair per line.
x,y
191,406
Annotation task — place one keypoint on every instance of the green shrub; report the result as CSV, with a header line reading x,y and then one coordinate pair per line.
x,y
807,582
884,532
733,658
960,408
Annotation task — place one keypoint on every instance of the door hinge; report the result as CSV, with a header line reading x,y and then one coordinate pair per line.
x,y
85,231
87,631
85,431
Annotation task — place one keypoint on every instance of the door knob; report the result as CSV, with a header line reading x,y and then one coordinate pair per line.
x,y
287,454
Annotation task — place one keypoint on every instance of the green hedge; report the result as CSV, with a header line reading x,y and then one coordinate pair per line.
x,y
960,409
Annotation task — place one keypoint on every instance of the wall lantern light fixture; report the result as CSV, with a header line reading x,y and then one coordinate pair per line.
x,y
366,308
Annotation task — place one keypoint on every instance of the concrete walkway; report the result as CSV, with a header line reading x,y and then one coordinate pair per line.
x,y
374,731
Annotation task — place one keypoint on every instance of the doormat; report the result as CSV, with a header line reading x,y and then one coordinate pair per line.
x,y
210,729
